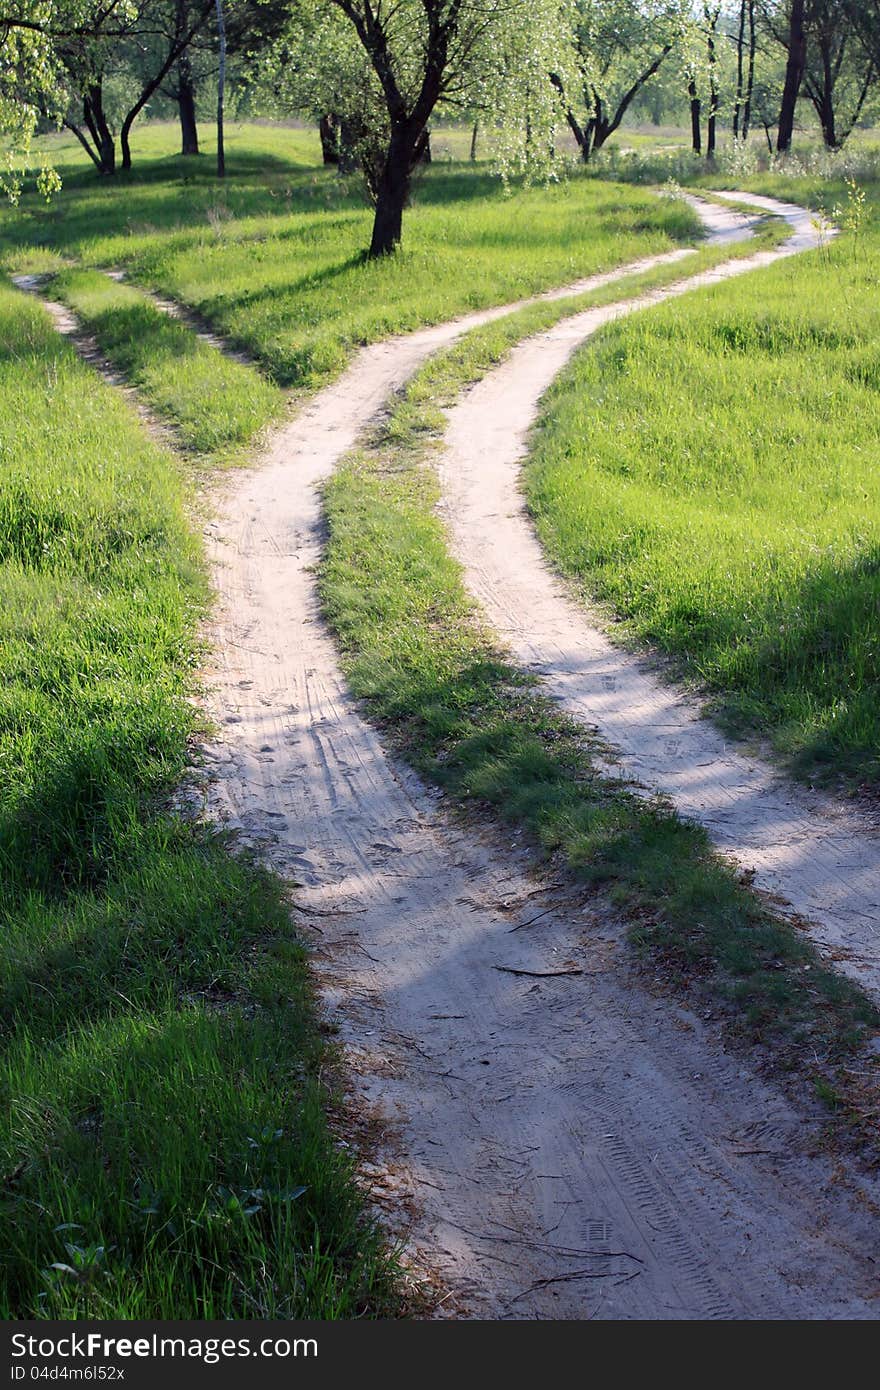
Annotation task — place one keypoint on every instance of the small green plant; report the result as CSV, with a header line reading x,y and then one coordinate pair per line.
x,y
852,214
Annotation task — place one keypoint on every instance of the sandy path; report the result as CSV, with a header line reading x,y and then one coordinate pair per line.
x,y
569,1147
820,858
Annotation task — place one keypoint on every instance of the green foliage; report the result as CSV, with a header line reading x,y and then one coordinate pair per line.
x,y
164,1147
708,471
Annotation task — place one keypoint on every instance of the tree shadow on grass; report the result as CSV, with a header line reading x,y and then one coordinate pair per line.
x,y
811,681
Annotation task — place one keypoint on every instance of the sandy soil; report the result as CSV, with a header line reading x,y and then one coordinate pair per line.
x,y
567,1146
558,1144
817,858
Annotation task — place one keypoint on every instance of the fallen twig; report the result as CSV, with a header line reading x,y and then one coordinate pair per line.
x,y
539,974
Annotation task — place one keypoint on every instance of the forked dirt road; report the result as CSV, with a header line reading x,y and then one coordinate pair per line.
x,y
566,1145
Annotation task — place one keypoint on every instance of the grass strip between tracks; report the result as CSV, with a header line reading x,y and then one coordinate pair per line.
x,y
434,679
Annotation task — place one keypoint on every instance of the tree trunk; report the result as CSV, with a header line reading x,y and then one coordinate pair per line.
x,y
186,105
750,80
392,194
823,99
474,134
740,68
221,89
829,126
696,137
794,72
93,115
713,89
328,129
348,142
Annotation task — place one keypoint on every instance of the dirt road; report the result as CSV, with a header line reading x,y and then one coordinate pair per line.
x,y
567,1145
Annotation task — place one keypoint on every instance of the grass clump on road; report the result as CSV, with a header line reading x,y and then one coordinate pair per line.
x,y
164,1145
416,653
216,404
709,472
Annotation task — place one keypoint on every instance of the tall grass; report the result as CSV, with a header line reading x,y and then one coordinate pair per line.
x,y
164,1147
709,471
217,404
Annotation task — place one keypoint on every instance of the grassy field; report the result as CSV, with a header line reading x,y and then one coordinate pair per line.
x,y
416,652
274,259
708,471
164,1144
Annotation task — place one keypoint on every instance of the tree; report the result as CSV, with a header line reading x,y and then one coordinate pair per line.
x,y
496,54
838,69
142,39
789,28
620,45
249,28
745,70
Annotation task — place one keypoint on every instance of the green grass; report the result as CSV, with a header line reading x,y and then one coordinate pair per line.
x,y
274,257
708,470
417,654
164,1145
216,404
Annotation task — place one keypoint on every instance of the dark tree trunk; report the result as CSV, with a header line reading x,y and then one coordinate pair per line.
x,y
750,80
713,103
328,129
696,135
599,127
405,149
712,17
822,93
794,72
94,118
221,90
186,105
740,68
348,142
582,134
426,157
474,133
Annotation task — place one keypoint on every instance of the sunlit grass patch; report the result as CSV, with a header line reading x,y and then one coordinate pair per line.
x,y
709,471
218,405
165,1150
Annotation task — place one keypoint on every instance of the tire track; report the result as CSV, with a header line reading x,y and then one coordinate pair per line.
x,y
818,860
